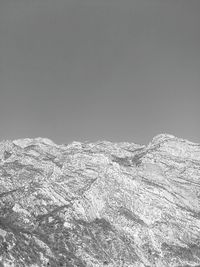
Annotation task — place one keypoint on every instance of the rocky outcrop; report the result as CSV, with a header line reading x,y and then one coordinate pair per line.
x,y
100,204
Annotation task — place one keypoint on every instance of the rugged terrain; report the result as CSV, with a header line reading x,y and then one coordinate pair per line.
x,y
100,204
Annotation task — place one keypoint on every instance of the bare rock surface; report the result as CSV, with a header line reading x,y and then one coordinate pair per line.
x,y
100,204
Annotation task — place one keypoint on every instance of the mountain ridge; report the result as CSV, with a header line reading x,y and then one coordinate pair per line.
x,y
100,204
160,136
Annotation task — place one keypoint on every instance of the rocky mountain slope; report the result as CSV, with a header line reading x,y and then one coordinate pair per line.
x,y
100,204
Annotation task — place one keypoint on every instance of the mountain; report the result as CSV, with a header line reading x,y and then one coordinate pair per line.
x,y
100,204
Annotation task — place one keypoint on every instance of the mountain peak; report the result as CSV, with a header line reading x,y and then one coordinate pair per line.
x,y
162,137
30,141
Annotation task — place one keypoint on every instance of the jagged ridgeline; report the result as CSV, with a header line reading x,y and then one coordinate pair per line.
x,y
100,204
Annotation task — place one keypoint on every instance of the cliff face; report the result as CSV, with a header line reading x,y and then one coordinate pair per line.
x,y
100,204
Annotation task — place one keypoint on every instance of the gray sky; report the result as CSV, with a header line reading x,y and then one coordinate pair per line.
x,y
82,70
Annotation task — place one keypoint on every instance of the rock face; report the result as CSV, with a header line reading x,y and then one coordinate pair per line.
x,y
100,204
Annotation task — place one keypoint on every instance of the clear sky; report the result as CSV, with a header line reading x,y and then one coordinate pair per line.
x,y
89,70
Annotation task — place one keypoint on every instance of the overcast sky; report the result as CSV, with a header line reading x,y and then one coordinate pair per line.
x,y
114,70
